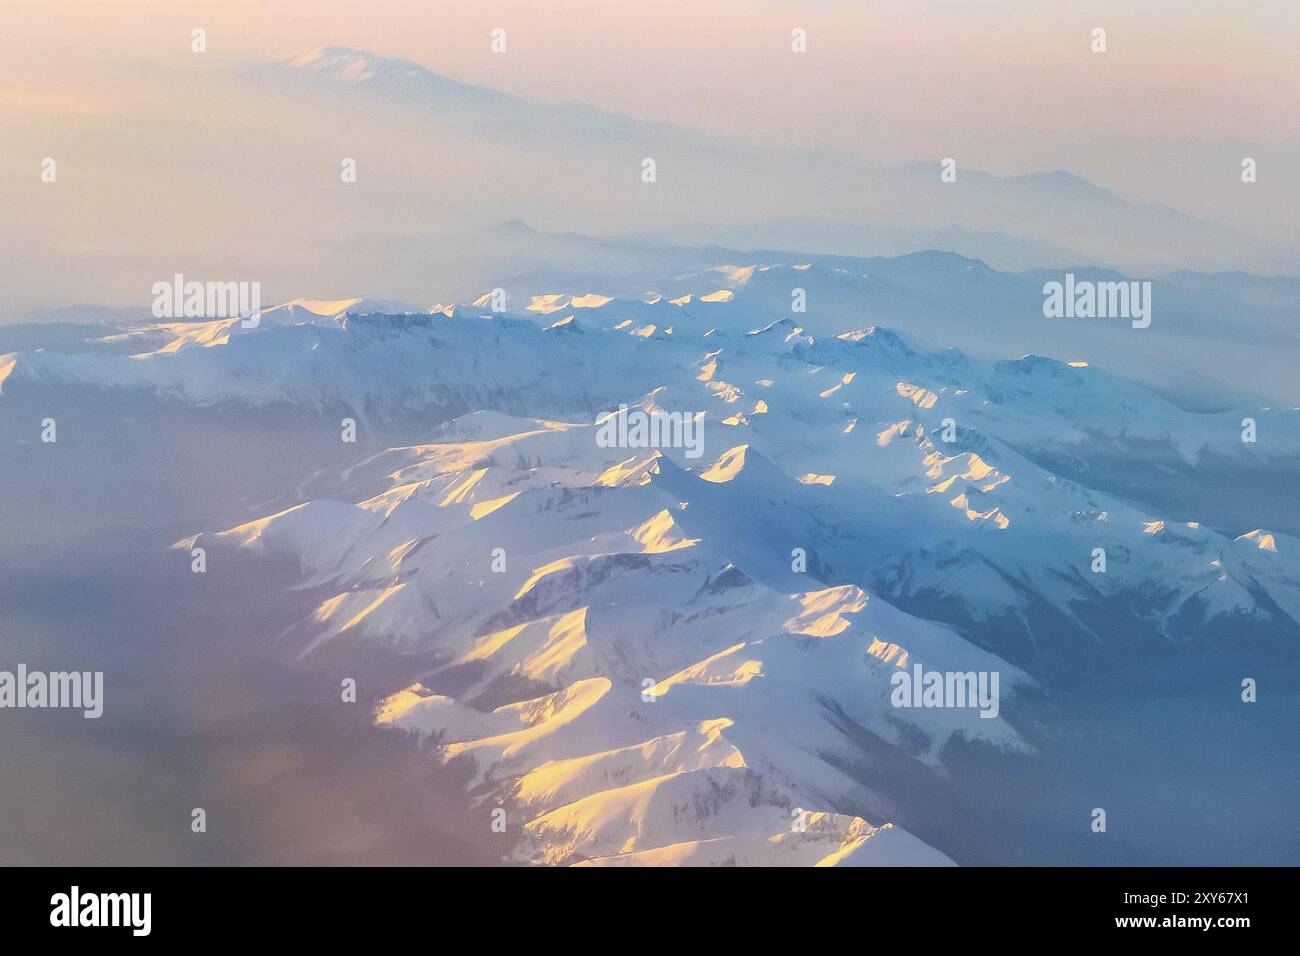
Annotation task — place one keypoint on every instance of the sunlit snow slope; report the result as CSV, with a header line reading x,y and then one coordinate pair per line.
x,y
645,656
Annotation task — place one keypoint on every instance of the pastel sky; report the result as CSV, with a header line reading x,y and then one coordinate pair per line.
x,y
894,78
1184,91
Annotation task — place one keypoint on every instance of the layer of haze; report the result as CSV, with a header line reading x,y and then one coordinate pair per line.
x,y
168,161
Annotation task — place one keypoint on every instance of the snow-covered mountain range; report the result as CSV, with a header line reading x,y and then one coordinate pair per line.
x,y
645,656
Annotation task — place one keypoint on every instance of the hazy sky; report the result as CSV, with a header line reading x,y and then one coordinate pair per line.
x,y
900,78
1185,89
